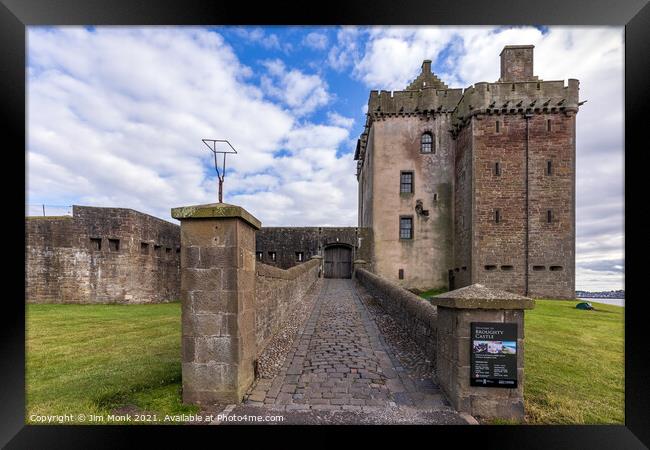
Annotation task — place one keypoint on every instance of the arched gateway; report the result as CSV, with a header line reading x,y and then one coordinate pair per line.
x,y
338,261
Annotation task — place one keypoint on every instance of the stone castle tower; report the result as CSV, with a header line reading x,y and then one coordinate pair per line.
x,y
476,185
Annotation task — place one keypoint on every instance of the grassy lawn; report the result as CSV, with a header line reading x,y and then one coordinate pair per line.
x,y
92,359
574,364
431,292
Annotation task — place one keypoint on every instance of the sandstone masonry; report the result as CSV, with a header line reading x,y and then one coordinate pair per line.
x,y
476,185
118,255
101,255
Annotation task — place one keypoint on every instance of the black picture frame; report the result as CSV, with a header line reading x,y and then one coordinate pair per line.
x,y
15,15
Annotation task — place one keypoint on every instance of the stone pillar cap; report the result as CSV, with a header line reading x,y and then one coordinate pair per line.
x,y
316,257
513,47
215,211
478,296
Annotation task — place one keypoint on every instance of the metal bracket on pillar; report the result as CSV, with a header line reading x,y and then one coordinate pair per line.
x,y
220,146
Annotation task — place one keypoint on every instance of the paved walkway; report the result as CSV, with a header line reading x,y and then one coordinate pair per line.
x,y
340,363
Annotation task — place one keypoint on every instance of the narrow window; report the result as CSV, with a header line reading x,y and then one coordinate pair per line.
x,y
497,126
144,248
272,256
497,169
299,256
555,268
456,269
538,85
549,167
114,245
406,182
435,197
549,216
95,243
178,250
168,251
548,125
157,250
400,274
497,216
259,256
464,268
406,228
513,86
506,268
539,268
490,267
426,145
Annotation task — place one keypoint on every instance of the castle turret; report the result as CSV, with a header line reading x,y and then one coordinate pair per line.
x,y
517,63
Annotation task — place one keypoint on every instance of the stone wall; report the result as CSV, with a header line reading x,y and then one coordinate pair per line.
x,y
276,291
101,255
524,252
462,267
414,314
456,311
421,261
287,242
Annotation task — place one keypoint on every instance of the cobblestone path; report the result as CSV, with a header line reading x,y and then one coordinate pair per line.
x,y
340,362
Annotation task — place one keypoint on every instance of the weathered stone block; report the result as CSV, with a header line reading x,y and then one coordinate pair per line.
x,y
201,279
220,349
203,376
207,324
187,348
214,301
209,233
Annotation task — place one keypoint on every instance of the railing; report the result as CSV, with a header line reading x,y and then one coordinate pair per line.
x,y
40,209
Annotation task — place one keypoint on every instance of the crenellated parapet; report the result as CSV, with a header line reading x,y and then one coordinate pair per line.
x,y
519,97
427,102
517,91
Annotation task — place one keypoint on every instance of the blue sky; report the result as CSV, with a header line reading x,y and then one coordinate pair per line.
x,y
116,116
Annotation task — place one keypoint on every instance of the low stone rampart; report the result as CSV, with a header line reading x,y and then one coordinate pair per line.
x,y
414,314
276,291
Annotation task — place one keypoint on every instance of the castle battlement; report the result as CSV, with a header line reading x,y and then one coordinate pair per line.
x,y
473,185
518,97
517,91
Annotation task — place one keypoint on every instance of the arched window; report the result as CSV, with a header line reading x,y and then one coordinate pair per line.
x,y
427,143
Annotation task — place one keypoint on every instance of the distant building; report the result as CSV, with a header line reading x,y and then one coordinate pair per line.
x,y
476,185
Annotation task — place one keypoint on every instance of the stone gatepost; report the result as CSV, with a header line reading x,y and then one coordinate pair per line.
x,y
320,267
359,264
217,297
456,311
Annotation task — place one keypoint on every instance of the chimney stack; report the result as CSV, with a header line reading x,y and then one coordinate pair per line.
x,y
426,66
517,63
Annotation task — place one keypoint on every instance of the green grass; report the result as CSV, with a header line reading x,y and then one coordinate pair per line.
x,y
431,292
91,359
574,364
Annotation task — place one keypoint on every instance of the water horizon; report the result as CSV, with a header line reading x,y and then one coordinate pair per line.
x,y
607,301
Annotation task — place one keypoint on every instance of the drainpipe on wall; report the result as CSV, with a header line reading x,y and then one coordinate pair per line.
x,y
527,116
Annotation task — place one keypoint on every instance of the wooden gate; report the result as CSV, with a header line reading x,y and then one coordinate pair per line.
x,y
338,262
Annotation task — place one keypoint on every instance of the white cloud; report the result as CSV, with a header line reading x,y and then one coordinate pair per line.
x,y
300,92
317,41
346,50
116,117
389,58
339,120
268,41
